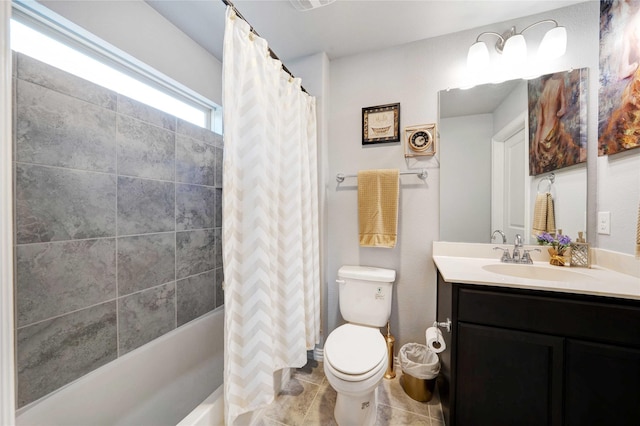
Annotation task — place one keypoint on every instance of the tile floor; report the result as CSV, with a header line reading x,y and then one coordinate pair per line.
x,y
309,399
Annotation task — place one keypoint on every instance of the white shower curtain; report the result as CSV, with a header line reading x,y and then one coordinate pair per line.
x,y
270,221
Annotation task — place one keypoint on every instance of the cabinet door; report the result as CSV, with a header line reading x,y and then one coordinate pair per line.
x,y
602,384
507,377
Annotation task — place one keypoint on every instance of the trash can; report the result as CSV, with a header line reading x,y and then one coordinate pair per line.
x,y
420,368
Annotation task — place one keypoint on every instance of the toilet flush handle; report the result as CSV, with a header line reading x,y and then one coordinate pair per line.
x,y
339,281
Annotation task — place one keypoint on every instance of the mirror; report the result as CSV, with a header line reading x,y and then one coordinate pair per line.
x,y
484,169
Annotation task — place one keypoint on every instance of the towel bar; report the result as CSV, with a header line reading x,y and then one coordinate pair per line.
x,y
422,174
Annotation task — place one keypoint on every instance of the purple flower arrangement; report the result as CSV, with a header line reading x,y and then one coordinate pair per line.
x,y
559,242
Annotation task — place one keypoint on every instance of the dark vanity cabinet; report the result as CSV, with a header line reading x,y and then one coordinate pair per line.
x,y
530,357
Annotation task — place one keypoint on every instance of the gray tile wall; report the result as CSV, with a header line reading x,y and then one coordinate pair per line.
x,y
118,216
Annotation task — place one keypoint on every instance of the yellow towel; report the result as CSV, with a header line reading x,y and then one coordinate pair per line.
x,y
378,207
544,219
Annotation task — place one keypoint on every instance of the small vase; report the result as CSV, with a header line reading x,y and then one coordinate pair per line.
x,y
556,258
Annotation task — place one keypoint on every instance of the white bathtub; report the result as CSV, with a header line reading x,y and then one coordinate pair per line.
x,y
162,383
210,412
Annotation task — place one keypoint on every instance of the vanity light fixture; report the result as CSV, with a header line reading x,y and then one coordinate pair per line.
x,y
512,48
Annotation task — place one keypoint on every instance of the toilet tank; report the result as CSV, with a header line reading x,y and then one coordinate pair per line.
x,y
364,294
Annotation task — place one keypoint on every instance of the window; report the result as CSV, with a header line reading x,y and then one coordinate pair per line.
x,y
36,44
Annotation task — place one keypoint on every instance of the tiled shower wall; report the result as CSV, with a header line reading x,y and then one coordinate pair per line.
x,y
117,218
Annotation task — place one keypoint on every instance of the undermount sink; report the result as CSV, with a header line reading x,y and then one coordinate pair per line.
x,y
534,272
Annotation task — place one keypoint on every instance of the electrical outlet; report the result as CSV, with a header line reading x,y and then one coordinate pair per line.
x,y
604,223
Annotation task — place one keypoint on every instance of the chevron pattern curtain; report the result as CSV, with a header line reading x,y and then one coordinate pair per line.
x,y
270,221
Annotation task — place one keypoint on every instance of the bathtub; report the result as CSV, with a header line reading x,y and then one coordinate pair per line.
x,y
175,379
209,412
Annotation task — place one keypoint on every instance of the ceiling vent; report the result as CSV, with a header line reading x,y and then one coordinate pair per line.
x,y
303,5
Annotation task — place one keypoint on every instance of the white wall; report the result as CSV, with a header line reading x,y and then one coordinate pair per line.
x,y
412,74
393,75
619,194
136,28
314,71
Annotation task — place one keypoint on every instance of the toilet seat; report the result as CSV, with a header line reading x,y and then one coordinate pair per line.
x,y
355,352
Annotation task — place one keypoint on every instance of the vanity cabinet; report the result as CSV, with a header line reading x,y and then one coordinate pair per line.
x,y
532,357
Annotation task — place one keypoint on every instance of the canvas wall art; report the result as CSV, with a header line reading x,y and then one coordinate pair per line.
x,y
619,93
557,120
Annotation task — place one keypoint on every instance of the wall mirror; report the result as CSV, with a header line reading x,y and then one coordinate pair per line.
x,y
484,168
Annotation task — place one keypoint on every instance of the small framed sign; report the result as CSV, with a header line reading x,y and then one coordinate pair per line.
x,y
381,124
420,140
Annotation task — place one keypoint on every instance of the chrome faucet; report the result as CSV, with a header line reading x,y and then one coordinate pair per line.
x,y
526,258
517,245
517,256
506,257
497,231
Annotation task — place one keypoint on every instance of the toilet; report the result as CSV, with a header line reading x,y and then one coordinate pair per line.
x,y
355,354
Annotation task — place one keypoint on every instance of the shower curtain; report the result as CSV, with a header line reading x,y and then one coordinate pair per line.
x,y
270,221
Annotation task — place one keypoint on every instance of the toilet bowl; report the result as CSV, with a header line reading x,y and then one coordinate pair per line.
x,y
355,360
355,354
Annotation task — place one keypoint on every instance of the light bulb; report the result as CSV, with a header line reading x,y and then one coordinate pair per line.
x,y
515,51
554,43
478,57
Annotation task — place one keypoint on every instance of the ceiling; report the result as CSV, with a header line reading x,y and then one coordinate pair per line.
x,y
346,27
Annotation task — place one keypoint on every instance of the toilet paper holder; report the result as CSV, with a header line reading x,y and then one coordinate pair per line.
x,y
446,325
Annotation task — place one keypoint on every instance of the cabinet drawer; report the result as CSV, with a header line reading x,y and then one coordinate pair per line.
x,y
561,315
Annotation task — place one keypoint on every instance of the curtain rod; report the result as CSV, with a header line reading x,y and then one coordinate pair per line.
x,y
271,52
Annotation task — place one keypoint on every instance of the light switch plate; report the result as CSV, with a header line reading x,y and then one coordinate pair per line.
x,y
604,223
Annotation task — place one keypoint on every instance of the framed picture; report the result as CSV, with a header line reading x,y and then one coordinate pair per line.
x,y
557,121
381,124
420,140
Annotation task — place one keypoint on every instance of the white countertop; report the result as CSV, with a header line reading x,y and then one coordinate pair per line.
x,y
464,263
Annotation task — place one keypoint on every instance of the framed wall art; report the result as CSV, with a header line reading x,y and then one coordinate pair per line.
x,y
420,140
381,124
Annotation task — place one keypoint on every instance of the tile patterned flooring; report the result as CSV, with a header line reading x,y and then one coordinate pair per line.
x,y
309,399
